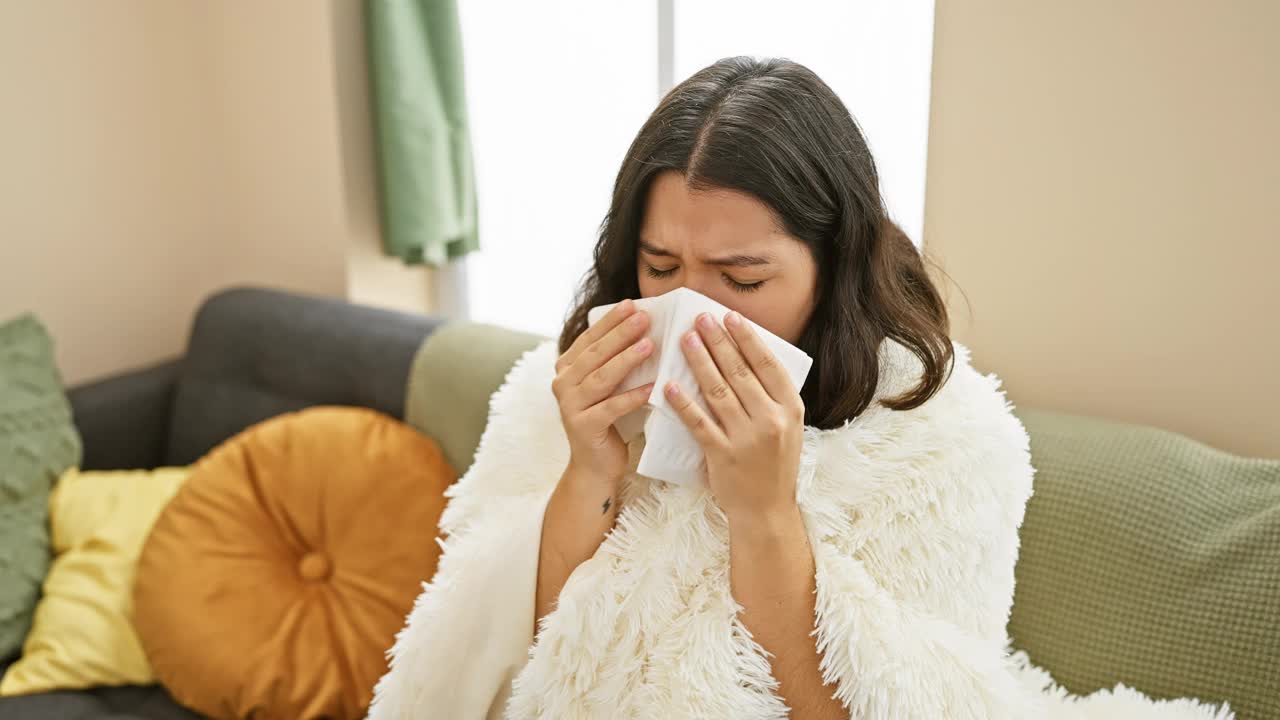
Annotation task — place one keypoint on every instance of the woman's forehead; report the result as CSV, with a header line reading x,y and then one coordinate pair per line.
x,y
711,221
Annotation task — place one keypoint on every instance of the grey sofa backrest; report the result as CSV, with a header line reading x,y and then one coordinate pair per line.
x,y
255,353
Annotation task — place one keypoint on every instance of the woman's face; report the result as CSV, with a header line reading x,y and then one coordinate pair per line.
x,y
725,245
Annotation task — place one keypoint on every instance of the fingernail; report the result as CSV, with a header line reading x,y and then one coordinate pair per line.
x,y
625,305
704,321
642,346
733,318
692,340
636,320
673,390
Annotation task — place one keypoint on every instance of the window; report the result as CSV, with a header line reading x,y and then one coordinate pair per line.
x,y
558,89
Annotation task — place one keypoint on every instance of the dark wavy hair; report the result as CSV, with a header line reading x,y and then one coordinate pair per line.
x,y
773,129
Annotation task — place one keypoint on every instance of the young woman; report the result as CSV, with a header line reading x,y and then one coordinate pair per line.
x,y
851,553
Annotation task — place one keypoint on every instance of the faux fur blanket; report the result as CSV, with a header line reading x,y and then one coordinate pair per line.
x,y
913,517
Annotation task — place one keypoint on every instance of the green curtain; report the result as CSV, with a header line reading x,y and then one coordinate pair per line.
x,y
424,147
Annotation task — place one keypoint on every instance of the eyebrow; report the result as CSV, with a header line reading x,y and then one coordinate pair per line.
x,y
736,260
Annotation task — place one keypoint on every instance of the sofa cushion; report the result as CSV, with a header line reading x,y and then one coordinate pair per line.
x,y
458,367
1150,559
83,633
276,579
37,443
113,703
257,353
123,419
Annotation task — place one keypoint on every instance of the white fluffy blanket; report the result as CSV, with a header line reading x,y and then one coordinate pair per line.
x,y
913,517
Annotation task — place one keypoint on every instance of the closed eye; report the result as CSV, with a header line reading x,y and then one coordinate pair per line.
x,y
654,272
744,287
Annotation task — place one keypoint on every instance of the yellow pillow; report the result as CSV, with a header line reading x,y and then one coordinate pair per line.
x,y
82,635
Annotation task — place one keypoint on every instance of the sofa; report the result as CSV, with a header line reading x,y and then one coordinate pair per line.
x,y
1101,598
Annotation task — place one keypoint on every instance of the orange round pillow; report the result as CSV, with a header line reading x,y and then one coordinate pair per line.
x,y
275,581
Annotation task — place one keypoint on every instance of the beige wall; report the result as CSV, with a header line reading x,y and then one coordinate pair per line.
x,y
1103,183
156,151
105,220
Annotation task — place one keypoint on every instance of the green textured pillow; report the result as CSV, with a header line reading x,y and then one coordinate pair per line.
x,y
37,443
1150,559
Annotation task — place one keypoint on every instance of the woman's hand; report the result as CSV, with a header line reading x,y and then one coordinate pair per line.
x,y
583,508
587,375
753,440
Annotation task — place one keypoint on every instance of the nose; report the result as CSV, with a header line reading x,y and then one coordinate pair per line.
x,y
702,280
711,289
700,286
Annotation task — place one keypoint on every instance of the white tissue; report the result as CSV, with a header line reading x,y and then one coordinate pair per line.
x,y
670,452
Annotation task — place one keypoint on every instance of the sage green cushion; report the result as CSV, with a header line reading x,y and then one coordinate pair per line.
x,y
454,372
1150,559
37,444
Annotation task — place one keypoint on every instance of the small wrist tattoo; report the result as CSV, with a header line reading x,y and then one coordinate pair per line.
x,y
607,503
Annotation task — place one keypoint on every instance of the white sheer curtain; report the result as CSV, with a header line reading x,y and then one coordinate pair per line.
x,y
557,90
